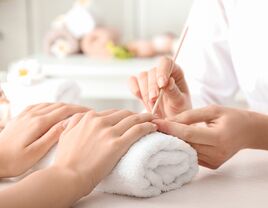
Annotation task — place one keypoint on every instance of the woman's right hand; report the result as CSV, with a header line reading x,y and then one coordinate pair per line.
x,y
176,97
93,143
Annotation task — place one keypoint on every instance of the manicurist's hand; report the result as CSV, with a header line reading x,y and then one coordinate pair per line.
x,y
93,143
28,137
226,132
146,87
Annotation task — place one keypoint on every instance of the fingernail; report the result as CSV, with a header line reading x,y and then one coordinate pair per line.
x,y
162,81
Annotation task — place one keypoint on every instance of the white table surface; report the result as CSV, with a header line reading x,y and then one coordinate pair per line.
x,y
241,182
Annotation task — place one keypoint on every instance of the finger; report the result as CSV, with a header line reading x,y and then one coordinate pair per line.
x,y
134,87
174,94
117,116
73,121
60,113
206,114
107,112
41,106
131,121
34,107
163,72
202,149
203,157
48,108
190,134
143,85
41,146
179,78
136,132
205,164
56,106
153,86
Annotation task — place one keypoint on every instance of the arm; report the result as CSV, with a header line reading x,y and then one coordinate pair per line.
x,y
52,187
89,148
206,57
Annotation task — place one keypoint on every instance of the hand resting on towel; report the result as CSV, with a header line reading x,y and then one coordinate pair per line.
x,y
155,164
89,148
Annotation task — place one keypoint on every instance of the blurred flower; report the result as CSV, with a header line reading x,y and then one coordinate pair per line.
x,y
25,72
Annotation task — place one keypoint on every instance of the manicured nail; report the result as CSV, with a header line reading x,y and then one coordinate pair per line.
x,y
162,81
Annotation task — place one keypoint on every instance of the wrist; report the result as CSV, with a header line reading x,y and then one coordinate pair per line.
x,y
259,131
78,183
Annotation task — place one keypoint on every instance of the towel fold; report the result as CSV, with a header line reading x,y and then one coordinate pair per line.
x,y
60,43
48,90
155,164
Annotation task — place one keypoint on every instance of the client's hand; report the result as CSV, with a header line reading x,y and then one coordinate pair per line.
x,y
226,132
28,137
93,143
176,97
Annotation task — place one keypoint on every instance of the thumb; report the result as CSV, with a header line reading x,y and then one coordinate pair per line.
x,y
175,97
206,114
41,146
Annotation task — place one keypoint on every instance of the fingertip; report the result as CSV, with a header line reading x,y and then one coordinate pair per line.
x,y
164,60
162,81
158,122
150,127
155,127
131,79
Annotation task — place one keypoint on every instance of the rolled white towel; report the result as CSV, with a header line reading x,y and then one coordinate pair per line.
x,y
155,164
47,90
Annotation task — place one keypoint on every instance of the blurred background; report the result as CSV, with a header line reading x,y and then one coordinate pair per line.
x,y
46,46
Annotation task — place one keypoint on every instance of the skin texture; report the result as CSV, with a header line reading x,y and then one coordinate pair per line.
x,y
146,87
28,137
89,147
224,132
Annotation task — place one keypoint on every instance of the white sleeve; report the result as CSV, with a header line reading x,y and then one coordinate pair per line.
x,y
205,55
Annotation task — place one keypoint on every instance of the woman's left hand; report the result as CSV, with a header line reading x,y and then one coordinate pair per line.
x,y
226,132
28,137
